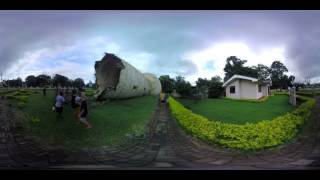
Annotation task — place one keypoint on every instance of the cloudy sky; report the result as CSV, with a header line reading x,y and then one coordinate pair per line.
x,y
188,43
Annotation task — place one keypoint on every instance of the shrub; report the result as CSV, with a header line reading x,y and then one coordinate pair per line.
x,y
34,119
9,96
21,105
249,136
215,90
6,92
90,93
308,94
23,99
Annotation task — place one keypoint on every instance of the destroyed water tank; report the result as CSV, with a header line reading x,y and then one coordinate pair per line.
x,y
117,79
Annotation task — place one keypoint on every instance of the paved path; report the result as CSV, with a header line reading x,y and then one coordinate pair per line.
x,y
167,146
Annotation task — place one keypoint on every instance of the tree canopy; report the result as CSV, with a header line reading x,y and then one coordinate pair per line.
x,y
279,79
235,65
78,82
183,87
167,83
60,80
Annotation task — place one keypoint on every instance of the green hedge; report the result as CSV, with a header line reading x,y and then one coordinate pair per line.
x,y
8,96
6,92
248,136
309,94
21,105
280,93
23,99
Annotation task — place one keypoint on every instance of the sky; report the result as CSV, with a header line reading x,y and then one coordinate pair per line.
x,y
192,44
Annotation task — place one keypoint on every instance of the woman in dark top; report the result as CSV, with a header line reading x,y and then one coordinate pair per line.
x,y
75,105
84,111
44,91
73,99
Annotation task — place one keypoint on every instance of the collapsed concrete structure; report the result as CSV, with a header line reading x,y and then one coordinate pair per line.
x,y
117,79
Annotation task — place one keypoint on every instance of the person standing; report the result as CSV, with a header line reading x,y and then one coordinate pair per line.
x,y
44,91
162,97
73,99
59,105
77,105
84,111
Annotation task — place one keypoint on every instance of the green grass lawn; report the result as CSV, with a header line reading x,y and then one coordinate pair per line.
x,y
111,121
239,112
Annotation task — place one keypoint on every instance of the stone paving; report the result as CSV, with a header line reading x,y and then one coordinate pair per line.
x,y
167,146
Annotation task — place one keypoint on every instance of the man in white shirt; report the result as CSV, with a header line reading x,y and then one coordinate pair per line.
x,y
59,104
77,105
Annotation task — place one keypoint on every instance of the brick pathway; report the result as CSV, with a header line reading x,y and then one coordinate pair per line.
x,y
167,146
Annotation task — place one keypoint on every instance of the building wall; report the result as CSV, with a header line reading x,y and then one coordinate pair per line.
x,y
244,90
264,90
248,89
236,95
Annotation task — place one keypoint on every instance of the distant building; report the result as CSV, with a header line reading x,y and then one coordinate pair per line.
x,y
3,84
243,87
90,84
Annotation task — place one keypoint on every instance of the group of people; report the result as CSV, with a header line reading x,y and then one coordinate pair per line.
x,y
78,103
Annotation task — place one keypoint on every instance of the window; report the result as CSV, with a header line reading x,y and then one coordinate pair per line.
x,y
259,88
232,89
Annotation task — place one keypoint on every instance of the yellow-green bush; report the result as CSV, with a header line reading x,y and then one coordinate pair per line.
x,y
249,136
21,105
23,99
8,96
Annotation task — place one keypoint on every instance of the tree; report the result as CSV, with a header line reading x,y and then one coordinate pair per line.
x,y
277,71
43,80
284,82
299,85
183,87
14,82
60,80
291,80
78,82
31,81
235,65
167,83
215,87
202,82
202,86
70,83
263,72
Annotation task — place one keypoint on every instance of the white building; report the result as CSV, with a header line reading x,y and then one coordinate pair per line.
x,y
3,84
243,87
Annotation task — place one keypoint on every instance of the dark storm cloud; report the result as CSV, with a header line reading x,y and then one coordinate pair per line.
x,y
30,30
166,35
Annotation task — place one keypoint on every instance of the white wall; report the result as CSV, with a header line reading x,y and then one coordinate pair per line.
x,y
248,89
264,90
236,95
